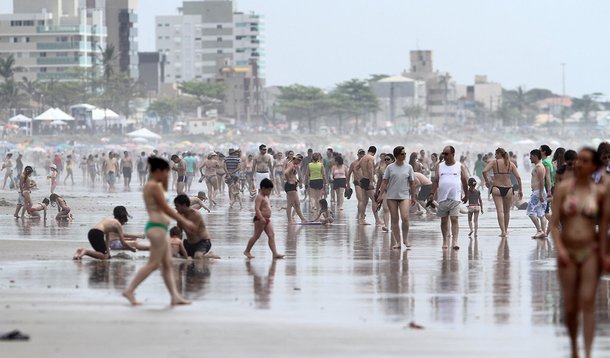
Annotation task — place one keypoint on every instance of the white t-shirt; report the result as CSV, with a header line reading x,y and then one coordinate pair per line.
x,y
398,177
450,182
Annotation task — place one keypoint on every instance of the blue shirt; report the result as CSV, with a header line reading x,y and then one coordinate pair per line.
x,y
191,163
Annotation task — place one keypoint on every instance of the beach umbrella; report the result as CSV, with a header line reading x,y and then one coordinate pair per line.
x,y
144,133
10,126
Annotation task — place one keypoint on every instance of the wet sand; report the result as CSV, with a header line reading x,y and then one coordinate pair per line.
x,y
340,291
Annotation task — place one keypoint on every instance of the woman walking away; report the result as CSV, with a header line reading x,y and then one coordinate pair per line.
x,y
577,206
399,180
338,178
157,229
502,187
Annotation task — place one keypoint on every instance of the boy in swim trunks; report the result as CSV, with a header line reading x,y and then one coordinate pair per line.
x,y
175,243
262,219
197,243
197,202
99,236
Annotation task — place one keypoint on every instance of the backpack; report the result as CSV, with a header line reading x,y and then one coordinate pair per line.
x,y
140,164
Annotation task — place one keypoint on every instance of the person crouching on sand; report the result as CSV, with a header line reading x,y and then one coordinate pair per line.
x,y
99,236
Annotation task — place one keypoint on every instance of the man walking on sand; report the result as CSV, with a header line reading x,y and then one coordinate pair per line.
x,y
367,170
447,192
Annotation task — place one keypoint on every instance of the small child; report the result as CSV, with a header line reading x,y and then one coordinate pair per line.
x,y
62,208
176,244
262,220
234,192
53,177
475,205
35,209
198,202
327,216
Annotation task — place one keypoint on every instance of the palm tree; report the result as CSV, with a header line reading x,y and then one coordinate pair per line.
x,y
108,60
8,68
31,89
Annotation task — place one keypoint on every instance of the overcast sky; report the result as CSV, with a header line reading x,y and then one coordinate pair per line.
x,y
516,42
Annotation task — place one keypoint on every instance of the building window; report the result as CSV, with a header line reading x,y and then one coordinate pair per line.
x,y
43,54
43,69
219,52
219,39
28,23
166,25
40,22
219,27
159,25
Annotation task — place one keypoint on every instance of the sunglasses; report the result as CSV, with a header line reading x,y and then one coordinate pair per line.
x,y
388,160
403,153
446,153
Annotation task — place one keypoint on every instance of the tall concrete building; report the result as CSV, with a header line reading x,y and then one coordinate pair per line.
x,y
48,38
440,88
121,22
206,37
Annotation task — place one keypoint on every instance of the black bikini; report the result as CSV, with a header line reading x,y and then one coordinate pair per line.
x,y
503,190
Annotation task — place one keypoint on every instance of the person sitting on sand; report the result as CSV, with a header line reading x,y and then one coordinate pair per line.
x,y
175,243
262,219
197,243
62,208
36,209
156,229
198,202
325,215
99,236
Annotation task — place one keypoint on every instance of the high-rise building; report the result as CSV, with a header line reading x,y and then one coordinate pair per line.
x,y
49,38
121,22
205,38
440,88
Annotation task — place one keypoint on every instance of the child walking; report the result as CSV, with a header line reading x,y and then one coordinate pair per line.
x,y
475,206
262,220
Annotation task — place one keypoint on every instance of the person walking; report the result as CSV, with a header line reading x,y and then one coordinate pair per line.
x,y
399,180
447,192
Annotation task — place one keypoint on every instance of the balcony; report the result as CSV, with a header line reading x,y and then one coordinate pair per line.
x,y
77,46
71,61
71,30
47,76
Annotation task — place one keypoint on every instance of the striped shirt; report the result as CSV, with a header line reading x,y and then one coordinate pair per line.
x,y
232,163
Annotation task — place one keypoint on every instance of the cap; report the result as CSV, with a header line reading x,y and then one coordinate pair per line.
x,y
360,151
231,150
414,153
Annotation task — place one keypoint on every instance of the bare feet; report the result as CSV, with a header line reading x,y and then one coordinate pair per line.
x,y
396,246
455,245
278,256
407,243
78,254
470,233
384,229
131,298
248,255
179,300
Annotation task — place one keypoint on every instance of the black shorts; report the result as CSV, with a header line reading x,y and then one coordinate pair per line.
x,y
365,184
316,184
127,172
182,179
290,187
339,183
202,246
424,192
96,239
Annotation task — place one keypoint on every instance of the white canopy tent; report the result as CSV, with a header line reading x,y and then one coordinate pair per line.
x,y
100,114
144,133
20,118
57,122
54,114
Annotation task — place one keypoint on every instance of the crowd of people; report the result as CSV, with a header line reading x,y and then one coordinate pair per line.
x,y
569,199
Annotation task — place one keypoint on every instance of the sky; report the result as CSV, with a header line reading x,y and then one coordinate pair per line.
x,y
515,43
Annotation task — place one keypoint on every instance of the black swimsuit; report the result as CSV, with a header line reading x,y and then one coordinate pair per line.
x,y
503,190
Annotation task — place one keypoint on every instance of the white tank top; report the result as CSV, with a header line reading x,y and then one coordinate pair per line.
x,y
450,182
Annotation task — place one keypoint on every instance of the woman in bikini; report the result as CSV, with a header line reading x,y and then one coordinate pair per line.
x,y
36,209
157,231
502,188
577,206
208,171
338,175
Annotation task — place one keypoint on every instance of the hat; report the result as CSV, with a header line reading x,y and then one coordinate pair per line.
x,y
53,166
231,150
360,150
414,153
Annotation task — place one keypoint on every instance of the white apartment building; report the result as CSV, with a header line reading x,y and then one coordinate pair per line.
x,y
205,38
49,37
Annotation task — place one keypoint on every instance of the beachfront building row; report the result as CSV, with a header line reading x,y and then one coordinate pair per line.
x,y
49,39
206,37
